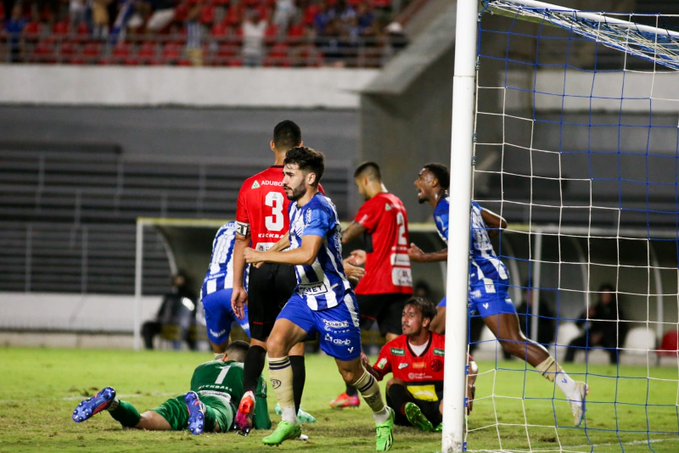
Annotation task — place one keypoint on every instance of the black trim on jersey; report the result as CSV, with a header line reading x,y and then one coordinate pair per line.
x,y
424,353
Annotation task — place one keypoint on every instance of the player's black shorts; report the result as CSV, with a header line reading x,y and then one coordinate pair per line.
x,y
269,288
386,309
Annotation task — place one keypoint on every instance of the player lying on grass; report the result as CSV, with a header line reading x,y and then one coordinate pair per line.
x,y
416,361
488,284
322,302
207,407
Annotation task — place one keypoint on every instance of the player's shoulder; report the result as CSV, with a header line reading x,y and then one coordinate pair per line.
x,y
272,176
438,339
397,346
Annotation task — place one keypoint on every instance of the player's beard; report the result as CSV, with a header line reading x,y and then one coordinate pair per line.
x,y
295,193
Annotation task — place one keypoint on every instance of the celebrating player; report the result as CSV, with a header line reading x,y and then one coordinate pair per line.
x,y
217,289
383,222
323,300
488,283
207,407
262,221
416,360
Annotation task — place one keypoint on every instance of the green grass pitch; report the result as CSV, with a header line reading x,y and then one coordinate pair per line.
x,y
39,389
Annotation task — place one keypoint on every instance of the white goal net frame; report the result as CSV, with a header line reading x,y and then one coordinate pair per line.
x,y
649,57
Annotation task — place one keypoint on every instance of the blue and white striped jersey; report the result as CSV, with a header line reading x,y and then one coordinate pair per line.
x,y
220,273
323,283
484,262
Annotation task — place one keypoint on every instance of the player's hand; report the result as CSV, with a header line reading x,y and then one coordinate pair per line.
x,y
354,273
239,299
252,256
358,257
365,360
415,253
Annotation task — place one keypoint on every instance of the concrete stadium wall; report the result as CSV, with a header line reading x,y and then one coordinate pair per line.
x,y
205,87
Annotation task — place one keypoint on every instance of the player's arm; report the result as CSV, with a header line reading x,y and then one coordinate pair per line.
x,y
282,244
304,255
239,296
417,255
353,231
493,221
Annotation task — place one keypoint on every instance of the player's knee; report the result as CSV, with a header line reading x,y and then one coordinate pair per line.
x,y
276,347
393,382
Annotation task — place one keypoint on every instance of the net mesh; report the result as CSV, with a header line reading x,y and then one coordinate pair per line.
x,y
577,147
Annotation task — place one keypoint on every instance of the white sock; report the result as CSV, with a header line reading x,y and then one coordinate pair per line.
x,y
554,373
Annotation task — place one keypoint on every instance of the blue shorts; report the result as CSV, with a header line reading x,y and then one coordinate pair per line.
x,y
489,297
340,335
219,316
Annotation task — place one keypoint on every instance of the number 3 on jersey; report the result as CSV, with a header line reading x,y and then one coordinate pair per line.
x,y
275,221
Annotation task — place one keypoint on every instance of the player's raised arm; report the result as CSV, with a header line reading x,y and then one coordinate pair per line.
x,y
495,222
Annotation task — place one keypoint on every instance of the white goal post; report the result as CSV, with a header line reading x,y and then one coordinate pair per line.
x,y
654,47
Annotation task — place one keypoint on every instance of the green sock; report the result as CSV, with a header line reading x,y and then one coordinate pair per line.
x,y
210,419
126,414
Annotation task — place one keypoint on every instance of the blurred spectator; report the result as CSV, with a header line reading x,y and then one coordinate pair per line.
x,y
162,15
78,12
15,28
284,15
525,311
194,36
601,326
100,18
254,30
177,312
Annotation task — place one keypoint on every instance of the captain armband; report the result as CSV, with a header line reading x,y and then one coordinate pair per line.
x,y
243,229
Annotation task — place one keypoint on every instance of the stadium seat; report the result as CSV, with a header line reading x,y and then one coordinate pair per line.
x,y
92,53
148,53
670,344
61,28
639,341
565,333
172,53
45,51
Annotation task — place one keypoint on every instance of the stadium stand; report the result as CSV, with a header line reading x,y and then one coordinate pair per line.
x,y
68,214
352,33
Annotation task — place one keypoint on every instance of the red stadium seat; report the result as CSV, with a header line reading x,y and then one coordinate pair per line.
x,y
92,53
61,28
173,53
45,51
207,15
148,53
278,56
122,53
670,345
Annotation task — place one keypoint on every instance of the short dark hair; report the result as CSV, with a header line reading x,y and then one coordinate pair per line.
x,y
308,160
286,135
369,168
426,307
441,173
236,350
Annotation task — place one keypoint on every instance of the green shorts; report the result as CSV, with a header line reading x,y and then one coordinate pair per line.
x,y
177,415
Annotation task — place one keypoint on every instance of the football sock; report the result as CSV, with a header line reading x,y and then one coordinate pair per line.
x,y
125,413
554,373
351,390
212,417
298,378
253,366
280,375
367,385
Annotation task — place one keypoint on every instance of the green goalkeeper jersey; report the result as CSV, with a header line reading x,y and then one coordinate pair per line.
x,y
225,380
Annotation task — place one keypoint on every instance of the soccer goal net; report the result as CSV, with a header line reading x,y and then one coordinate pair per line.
x,y
576,144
